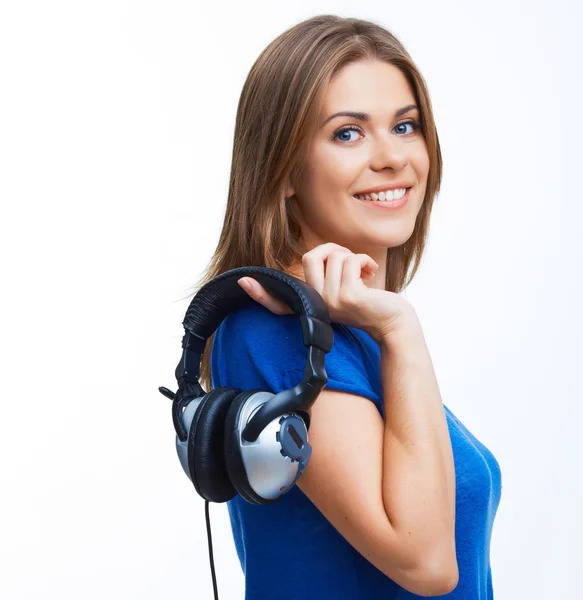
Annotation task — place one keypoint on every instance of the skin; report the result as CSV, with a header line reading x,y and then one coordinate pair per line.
x,y
383,150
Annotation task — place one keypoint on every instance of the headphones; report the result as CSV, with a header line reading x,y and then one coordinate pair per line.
x,y
248,442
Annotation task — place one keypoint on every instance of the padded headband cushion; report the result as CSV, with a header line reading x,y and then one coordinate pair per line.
x,y
222,295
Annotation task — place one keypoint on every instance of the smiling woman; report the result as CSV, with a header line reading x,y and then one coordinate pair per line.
x,y
336,153
368,152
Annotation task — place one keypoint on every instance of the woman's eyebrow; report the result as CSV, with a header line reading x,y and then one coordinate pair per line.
x,y
361,116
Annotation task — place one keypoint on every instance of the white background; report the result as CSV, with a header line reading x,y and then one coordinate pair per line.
x,y
116,127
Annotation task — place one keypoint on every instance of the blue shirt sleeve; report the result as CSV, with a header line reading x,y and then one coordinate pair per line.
x,y
255,348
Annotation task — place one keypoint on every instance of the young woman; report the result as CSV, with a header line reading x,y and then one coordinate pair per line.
x,y
336,165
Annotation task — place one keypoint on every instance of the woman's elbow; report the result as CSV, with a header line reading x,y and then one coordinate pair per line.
x,y
437,578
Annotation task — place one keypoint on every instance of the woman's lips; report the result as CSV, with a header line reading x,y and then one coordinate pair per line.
x,y
387,205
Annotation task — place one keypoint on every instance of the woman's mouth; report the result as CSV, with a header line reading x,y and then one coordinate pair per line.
x,y
386,204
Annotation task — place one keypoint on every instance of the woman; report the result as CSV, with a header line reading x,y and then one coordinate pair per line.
x,y
399,498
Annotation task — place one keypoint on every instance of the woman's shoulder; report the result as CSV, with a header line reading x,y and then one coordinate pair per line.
x,y
257,348
253,322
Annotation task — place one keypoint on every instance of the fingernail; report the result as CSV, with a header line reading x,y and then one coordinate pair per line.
x,y
244,283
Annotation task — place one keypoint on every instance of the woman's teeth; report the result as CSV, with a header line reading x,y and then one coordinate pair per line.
x,y
388,195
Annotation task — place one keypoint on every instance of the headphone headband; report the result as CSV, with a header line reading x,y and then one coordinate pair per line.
x,y
221,296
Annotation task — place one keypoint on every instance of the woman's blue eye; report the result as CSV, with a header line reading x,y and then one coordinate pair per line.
x,y
336,135
413,124
343,130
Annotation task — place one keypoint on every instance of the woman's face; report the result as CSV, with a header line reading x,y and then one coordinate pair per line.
x,y
381,151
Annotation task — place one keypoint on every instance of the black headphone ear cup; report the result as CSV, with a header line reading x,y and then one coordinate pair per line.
x,y
233,459
206,459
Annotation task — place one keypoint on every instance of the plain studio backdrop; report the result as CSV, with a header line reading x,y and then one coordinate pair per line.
x,y
116,130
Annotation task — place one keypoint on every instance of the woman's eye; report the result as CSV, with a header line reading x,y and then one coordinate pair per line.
x,y
343,134
414,124
342,131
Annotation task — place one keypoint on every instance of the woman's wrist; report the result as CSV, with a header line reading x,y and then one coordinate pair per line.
x,y
400,330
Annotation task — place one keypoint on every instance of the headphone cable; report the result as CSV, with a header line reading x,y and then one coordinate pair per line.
x,y
210,541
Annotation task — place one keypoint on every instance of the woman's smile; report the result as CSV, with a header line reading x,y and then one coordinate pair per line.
x,y
387,204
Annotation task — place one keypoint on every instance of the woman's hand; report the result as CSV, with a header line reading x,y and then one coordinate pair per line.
x,y
336,273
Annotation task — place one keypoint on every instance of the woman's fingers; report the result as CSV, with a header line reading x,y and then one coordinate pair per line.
x,y
261,295
327,268
334,264
314,263
355,267
362,266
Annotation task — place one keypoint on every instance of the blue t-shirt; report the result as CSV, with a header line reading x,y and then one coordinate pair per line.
x,y
288,550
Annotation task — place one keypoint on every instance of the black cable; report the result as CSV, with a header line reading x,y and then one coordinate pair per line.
x,y
208,531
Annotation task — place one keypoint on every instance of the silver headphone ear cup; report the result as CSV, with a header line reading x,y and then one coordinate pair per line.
x,y
260,471
233,458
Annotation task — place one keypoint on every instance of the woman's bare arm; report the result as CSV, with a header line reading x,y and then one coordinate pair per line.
x,y
418,469
388,487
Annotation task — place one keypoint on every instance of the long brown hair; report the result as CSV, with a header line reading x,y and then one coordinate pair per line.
x,y
277,112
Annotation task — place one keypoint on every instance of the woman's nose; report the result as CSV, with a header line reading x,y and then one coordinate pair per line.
x,y
389,152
